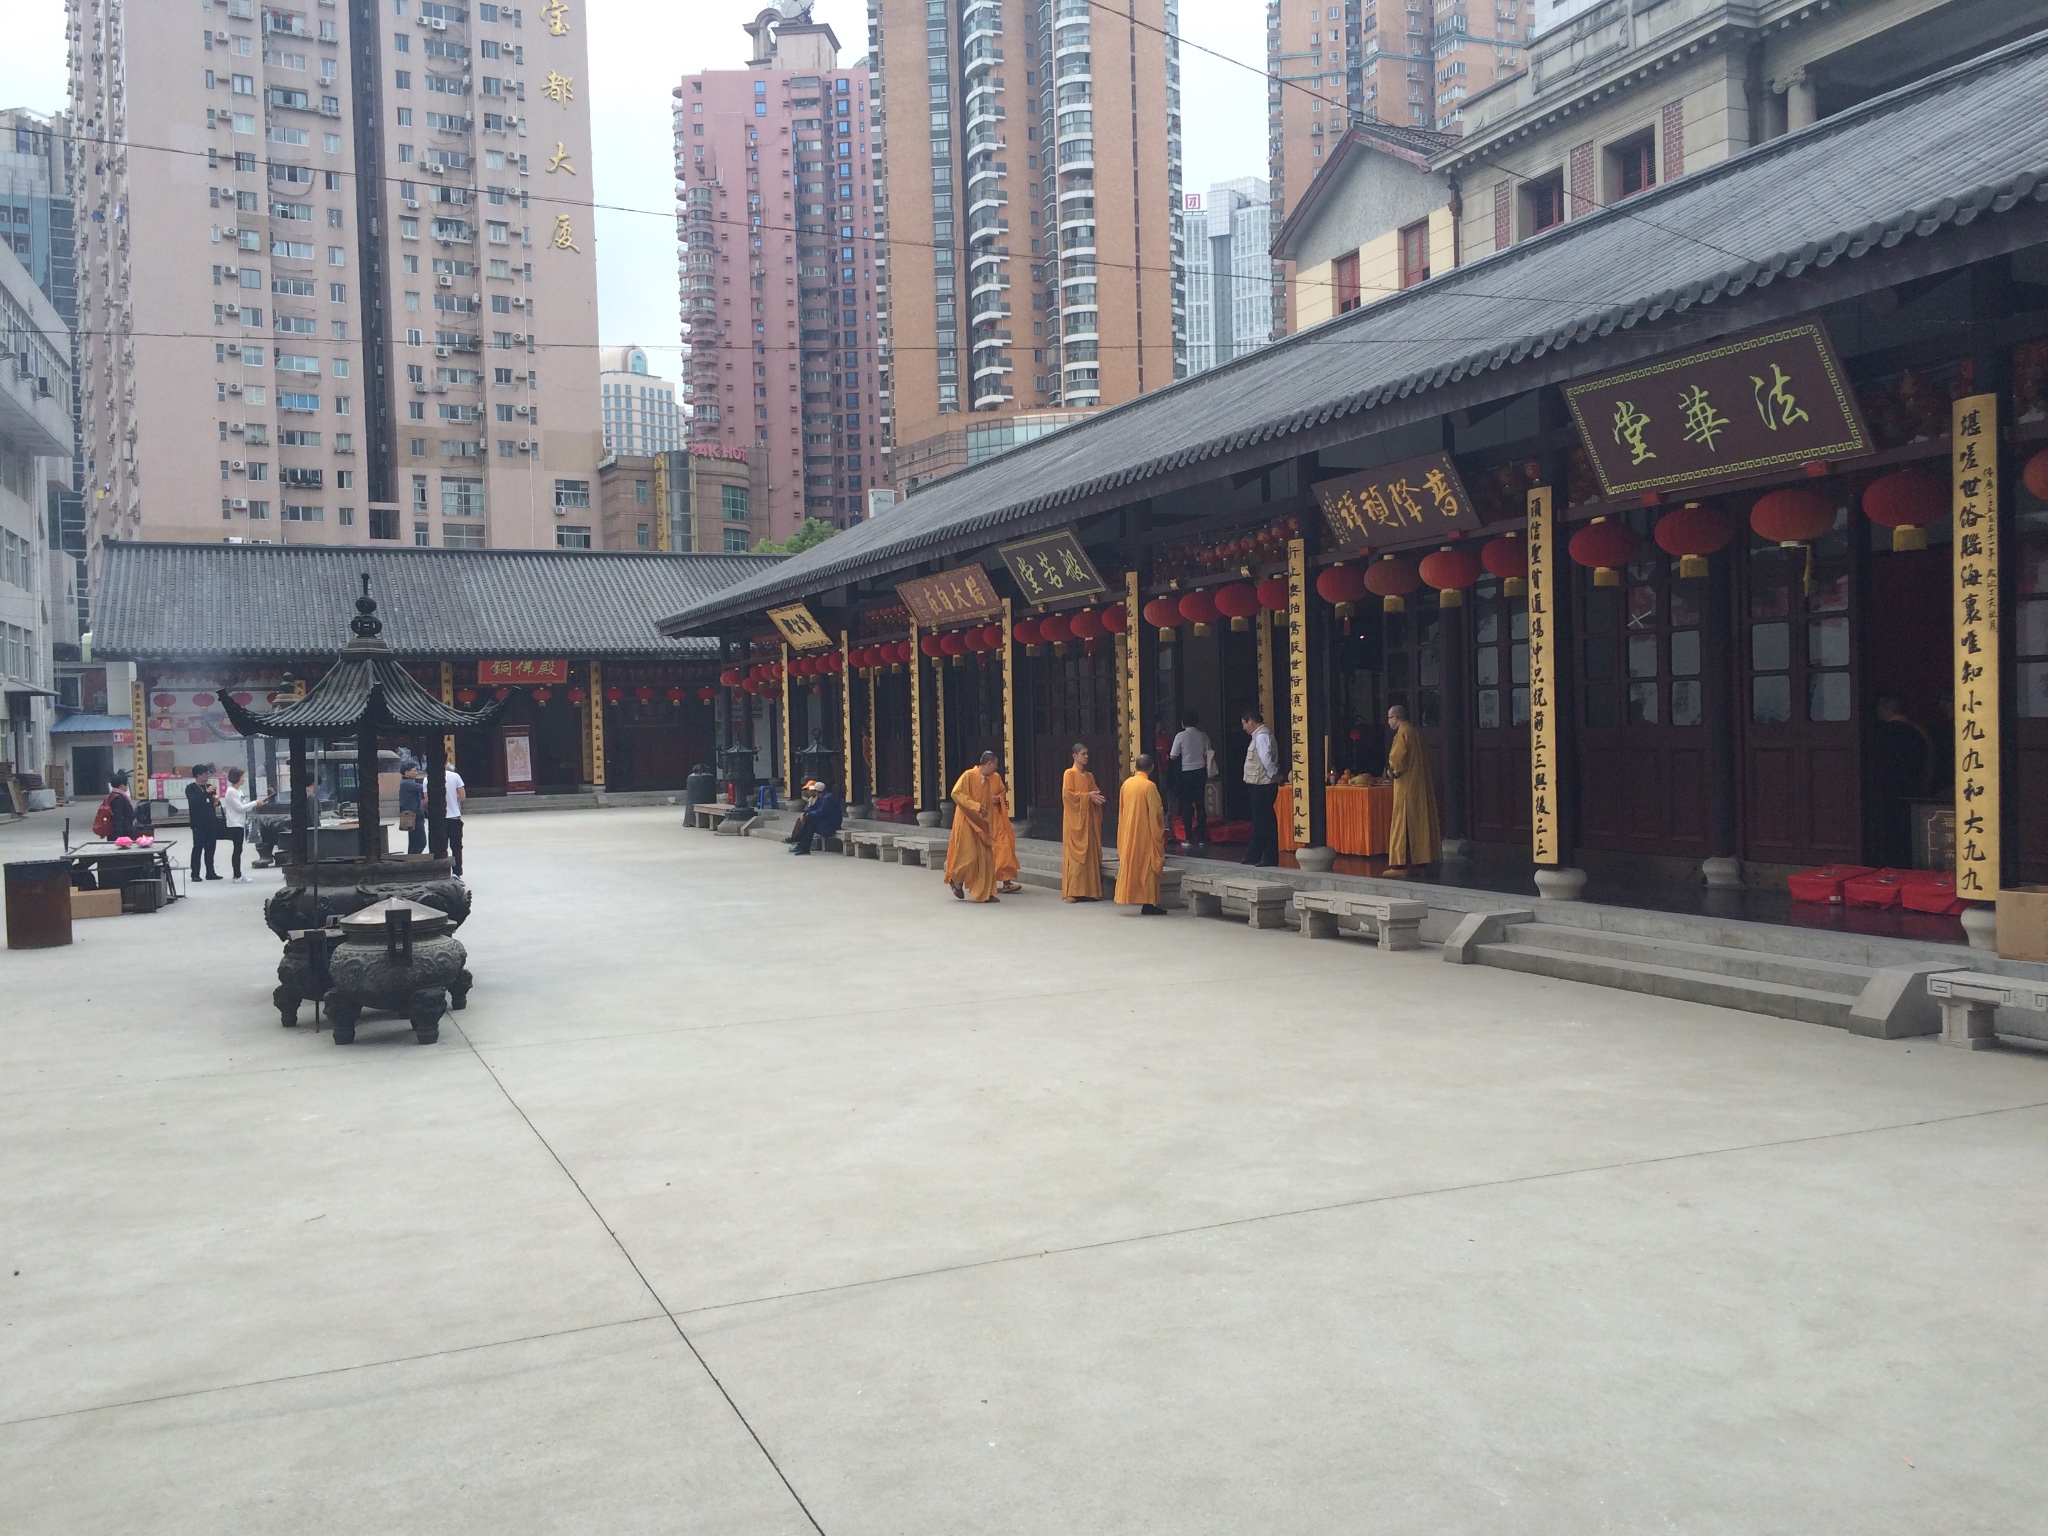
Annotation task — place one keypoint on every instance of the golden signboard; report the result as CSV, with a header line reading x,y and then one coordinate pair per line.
x,y
1052,568
916,720
799,628
846,719
1297,686
1543,599
951,597
1416,500
1973,463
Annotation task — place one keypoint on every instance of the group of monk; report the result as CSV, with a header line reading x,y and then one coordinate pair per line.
x,y
981,859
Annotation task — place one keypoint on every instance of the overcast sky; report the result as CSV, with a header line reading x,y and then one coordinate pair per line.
x,y
640,49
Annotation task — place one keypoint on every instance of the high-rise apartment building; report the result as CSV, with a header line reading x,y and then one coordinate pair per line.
x,y
1030,175
777,221
1230,272
1410,63
641,417
337,273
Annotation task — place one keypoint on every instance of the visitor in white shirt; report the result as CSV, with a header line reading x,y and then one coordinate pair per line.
x,y
457,793
1262,788
1190,756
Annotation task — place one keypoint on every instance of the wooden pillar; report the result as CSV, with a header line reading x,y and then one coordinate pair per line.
x,y
369,835
918,799
1454,690
846,789
302,814
1010,711
874,741
1720,666
789,784
939,734
595,740
448,698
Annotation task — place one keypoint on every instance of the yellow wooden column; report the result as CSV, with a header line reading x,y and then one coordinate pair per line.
x,y
1010,705
1545,836
448,698
1297,688
138,702
789,784
1973,463
595,741
1134,680
874,741
846,722
916,721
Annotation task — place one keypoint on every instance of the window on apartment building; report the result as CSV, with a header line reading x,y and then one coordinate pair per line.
x,y
1542,203
732,502
735,541
567,537
571,493
1415,254
1344,275
1632,165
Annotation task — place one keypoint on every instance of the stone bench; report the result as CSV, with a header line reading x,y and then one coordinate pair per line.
x,y
927,849
709,813
1264,901
1968,999
872,845
1397,919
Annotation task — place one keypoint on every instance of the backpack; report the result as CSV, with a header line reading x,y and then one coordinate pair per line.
x,y
103,819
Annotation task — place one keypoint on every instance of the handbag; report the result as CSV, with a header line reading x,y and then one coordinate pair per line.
x,y
1214,771
407,820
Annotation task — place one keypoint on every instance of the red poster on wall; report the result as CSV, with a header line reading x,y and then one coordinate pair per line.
x,y
515,755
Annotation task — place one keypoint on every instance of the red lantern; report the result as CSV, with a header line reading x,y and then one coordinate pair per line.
x,y
1692,533
465,697
542,695
706,694
1087,625
1606,546
1906,502
1799,514
202,700
1025,633
163,700
904,651
730,677
1508,558
501,694
1199,609
2035,475
1163,614
751,685
953,643
1272,593
1450,571
1237,603
577,695
836,663
1342,585
1391,580
1057,628
675,695
929,644
613,695
1114,620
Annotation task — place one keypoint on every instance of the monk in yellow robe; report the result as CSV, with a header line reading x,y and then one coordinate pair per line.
x,y
1414,837
1140,841
1080,832
1003,837
970,856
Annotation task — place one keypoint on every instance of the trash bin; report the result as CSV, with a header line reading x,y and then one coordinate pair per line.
x,y
38,904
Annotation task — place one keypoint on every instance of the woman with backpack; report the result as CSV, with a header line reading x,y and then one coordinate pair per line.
x,y
116,815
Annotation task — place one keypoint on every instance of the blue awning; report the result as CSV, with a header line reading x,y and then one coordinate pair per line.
x,y
86,725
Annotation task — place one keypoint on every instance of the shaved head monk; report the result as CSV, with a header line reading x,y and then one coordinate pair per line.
x,y
970,856
1140,841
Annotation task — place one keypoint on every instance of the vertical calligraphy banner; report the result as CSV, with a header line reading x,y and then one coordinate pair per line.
x,y
1973,456
1543,808
939,722
447,697
874,752
137,705
1133,654
1297,686
846,790
597,724
1010,709
789,781
917,658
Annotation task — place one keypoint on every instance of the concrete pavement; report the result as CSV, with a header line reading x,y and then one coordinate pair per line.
x,y
753,1194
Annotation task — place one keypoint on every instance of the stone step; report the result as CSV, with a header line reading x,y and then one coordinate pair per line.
x,y
1778,999
1715,959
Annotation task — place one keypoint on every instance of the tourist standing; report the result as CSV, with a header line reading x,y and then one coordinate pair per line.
x,y
1080,832
1002,835
1140,840
235,806
1412,838
1262,788
1190,755
970,856
202,808
412,805
120,821
457,793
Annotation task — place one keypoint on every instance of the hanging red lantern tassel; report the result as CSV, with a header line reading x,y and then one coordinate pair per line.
x,y
1692,533
1163,614
1606,546
675,695
1508,558
706,694
542,695
613,695
1339,585
465,697
1450,570
1391,580
577,695
1906,502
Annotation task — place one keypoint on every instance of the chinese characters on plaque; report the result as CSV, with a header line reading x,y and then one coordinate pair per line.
x,y
1734,409
951,597
799,628
1052,568
499,673
1406,503
1544,842
1973,458
1297,686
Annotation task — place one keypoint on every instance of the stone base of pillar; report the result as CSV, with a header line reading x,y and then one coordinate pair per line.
x,y
1722,874
1560,884
1315,861
1456,850
927,818
1980,923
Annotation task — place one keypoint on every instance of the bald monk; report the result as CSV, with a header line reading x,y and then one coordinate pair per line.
x,y
1003,837
1413,838
1140,841
1080,832
970,856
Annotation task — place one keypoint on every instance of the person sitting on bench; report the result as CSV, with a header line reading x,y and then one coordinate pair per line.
x,y
820,817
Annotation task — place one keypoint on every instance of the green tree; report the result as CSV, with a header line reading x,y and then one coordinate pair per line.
x,y
814,532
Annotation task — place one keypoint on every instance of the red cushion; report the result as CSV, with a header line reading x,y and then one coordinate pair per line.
x,y
1879,889
1825,884
1936,893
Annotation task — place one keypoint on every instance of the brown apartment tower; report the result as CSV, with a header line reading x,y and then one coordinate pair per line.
x,y
1407,62
1028,154
337,273
776,219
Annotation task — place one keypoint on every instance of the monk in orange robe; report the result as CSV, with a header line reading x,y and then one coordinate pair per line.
x,y
1080,832
970,856
1003,837
1140,841
1412,837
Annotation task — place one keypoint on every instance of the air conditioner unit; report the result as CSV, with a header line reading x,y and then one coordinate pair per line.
x,y
230,233
444,282
438,24
234,389
526,445
419,389
442,351
220,37
523,410
437,170
237,465
412,202
239,503
519,338
238,427
440,389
